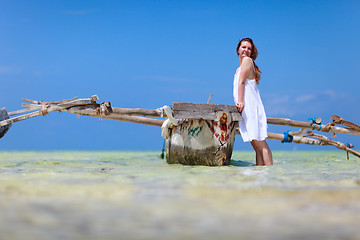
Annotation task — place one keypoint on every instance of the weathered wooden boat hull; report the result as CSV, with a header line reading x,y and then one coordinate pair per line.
x,y
202,142
3,116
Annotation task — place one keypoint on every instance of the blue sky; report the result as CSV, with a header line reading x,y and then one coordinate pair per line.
x,y
148,54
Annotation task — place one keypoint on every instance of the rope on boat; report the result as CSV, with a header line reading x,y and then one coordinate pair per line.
x,y
169,122
162,155
315,121
288,138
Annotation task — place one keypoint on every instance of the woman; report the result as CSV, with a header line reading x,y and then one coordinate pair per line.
x,y
253,127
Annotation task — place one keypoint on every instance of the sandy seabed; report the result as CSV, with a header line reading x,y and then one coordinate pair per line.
x,y
137,195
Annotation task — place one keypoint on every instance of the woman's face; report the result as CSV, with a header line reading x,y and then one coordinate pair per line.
x,y
245,49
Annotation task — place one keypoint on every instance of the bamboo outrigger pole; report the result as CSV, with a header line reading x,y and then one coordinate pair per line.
x,y
310,125
89,107
327,141
42,108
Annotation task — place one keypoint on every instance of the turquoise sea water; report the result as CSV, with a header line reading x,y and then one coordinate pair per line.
x,y
137,195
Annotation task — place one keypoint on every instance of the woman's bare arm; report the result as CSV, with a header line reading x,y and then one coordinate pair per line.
x,y
246,68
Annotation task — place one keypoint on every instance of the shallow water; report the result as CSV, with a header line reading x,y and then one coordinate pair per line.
x,y
137,195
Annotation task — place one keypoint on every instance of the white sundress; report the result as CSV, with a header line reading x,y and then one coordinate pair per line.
x,y
254,123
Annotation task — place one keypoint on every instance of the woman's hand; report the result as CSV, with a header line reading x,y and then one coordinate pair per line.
x,y
240,106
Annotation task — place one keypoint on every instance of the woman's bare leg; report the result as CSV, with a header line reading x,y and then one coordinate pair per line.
x,y
263,153
259,158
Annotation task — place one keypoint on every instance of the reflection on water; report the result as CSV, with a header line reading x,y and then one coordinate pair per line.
x,y
136,195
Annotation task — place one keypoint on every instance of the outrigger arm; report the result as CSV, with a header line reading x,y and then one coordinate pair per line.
x,y
89,107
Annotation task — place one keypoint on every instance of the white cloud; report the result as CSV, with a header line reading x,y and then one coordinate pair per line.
x,y
165,79
169,79
25,19
332,94
278,105
9,70
305,98
276,99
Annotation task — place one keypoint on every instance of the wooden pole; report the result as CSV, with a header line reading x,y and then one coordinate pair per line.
x,y
45,108
308,125
327,141
136,112
89,107
30,115
90,110
338,120
25,110
135,119
296,139
114,111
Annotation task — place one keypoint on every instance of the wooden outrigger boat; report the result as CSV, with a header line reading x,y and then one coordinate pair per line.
x,y
205,136
196,134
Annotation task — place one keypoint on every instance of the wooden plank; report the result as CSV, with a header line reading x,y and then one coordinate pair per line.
x,y
203,111
181,106
204,115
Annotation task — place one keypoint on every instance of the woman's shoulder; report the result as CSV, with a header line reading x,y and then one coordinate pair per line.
x,y
247,60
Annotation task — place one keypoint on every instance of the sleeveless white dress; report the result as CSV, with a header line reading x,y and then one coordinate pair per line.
x,y
254,123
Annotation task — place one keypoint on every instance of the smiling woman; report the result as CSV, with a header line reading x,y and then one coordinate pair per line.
x,y
253,126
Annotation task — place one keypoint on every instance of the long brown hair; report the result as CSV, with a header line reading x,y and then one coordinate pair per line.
x,y
253,55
